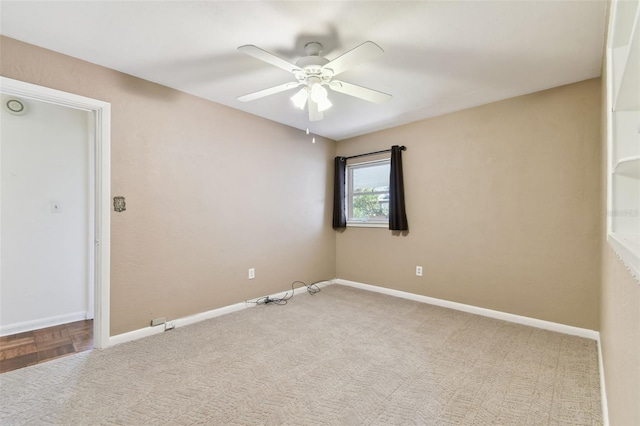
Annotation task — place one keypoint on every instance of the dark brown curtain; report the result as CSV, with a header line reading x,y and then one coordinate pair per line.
x,y
397,213
339,210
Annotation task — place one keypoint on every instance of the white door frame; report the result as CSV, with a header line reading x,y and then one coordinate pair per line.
x,y
101,139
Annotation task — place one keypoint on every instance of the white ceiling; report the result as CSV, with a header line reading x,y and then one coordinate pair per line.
x,y
440,56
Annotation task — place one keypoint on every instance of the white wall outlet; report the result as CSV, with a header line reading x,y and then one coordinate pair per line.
x,y
419,271
252,273
169,325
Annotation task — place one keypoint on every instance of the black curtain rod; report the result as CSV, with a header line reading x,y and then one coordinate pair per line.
x,y
402,148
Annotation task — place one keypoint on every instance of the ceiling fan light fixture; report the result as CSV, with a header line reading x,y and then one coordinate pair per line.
x,y
324,104
320,96
300,98
318,93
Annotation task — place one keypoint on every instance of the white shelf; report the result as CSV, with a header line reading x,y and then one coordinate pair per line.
x,y
628,167
628,240
627,247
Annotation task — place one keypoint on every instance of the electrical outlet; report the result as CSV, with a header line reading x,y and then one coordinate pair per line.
x,y
252,273
169,325
419,271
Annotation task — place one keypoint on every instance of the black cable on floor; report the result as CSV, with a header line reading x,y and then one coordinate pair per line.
x,y
267,300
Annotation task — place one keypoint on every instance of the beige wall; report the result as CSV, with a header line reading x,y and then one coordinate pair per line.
x,y
210,191
619,315
503,208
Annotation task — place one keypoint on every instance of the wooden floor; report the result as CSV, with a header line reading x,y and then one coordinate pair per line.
x,y
38,346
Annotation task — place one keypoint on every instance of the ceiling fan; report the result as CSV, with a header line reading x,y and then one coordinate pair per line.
x,y
316,72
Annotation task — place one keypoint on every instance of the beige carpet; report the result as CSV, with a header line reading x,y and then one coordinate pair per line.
x,y
341,357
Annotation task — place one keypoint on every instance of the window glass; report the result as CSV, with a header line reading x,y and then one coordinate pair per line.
x,y
368,192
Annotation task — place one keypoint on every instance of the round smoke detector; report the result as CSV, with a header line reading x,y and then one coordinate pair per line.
x,y
15,106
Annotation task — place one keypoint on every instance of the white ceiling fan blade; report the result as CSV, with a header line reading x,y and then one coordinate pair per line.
x,y
270,58
266,92
314,114
365,52
360,92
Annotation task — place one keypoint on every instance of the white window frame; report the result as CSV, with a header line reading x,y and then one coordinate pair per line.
x,y
349,194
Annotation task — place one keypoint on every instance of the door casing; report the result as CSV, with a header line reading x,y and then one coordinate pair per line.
x,y
100,140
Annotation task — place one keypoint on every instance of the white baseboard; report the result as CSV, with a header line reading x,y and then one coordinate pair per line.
x,y
20,327
504,316
134,335
298,290
192,319
603,389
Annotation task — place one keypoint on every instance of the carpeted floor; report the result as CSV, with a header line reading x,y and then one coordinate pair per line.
x,y
341,357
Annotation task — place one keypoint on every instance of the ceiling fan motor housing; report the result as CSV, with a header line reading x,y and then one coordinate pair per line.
x,y
312,64
312,67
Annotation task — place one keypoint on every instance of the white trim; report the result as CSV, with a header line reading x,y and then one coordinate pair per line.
x,y
603,389
609,112
192,319
135,335
504,316
91,212
21,327
384,225
180,322
202,316
102,142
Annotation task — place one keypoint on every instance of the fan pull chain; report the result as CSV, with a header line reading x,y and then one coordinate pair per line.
x,y
313,137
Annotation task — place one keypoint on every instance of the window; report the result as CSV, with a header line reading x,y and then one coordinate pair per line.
x,y
367,194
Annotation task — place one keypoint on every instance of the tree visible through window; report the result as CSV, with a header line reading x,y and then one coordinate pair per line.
x,y
368,192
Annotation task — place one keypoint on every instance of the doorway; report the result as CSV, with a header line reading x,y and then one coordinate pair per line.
x,y
97,151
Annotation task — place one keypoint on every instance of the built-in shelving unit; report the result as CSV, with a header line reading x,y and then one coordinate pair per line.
x,y
623,88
